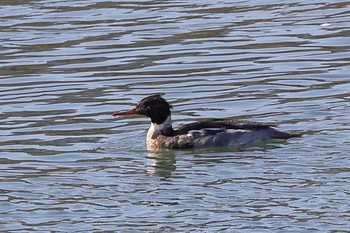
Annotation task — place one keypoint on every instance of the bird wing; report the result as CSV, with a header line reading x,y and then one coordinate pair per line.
x,y
219,125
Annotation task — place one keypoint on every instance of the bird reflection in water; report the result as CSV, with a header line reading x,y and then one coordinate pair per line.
x,y
162,163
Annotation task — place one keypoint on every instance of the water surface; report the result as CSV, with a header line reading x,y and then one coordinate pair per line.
x,y
68,166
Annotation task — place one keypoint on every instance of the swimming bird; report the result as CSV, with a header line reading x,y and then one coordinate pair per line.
x,y
202,134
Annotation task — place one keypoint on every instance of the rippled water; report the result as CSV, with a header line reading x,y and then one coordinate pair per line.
x,y
68,166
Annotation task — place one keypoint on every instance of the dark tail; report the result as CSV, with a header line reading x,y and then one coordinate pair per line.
x,y
283,135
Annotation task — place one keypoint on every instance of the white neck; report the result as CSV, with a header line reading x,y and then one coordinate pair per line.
x,y
157,129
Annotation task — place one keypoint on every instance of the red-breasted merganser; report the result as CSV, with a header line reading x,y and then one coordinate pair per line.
x,y
204,134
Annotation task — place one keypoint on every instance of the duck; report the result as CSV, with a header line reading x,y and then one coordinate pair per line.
x,y
200,134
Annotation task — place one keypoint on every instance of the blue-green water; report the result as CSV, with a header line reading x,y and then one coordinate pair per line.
x,y
66,165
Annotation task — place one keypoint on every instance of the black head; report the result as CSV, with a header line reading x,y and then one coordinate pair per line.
x,y
154,107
